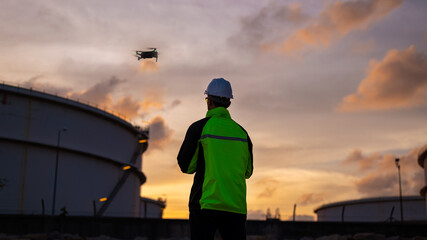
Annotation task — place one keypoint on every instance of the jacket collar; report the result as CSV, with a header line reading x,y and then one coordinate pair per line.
x,y
218,112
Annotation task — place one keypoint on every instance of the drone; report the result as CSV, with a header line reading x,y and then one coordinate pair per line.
x,y
147,54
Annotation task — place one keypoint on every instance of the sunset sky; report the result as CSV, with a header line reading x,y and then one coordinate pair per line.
x,y
330,92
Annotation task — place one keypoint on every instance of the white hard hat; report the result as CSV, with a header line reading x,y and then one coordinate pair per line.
x,y
219,87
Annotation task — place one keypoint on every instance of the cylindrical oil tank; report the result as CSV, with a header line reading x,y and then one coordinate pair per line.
x,y
63,153
422,161
381,209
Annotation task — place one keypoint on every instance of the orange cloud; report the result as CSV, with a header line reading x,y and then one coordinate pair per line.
x,y
269,185
365,163
150,104
310,198
100,93
149,66
127,107
398,81
382,180
336,21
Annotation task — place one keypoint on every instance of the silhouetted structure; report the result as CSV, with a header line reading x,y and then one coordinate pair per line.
x,y
379,209
422,161
43,166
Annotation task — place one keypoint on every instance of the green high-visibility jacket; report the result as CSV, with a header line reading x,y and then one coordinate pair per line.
x,y
219,151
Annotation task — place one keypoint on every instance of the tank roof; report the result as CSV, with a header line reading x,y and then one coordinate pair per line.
x,y
95,109
368,200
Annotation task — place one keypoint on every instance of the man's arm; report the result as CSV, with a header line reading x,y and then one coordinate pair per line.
x,y
189,147
250,167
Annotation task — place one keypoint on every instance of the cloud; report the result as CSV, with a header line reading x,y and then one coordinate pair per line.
x,y
160,133
365,163
310,198
382,180
336,21
363,47
398,81
267,24
149,66
127,106
34,83
175,103
100,93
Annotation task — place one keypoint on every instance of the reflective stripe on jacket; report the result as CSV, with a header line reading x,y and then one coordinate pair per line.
x,y
219,151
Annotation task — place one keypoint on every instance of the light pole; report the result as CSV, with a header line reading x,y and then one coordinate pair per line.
x,y
400,190
56,170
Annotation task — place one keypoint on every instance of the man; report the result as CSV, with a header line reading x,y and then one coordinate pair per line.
x,y
219,151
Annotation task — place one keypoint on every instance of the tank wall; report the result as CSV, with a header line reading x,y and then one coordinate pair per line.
x,y
80,181
330,214
150,210
38,120
91,154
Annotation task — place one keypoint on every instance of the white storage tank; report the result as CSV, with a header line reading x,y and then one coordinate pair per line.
x,y
379,209
57,153
422,161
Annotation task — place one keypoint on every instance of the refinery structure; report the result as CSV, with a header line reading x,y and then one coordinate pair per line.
x,y
380,209
60,156
422,161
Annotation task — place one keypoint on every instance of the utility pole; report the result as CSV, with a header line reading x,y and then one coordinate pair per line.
x,y
295,209
400,190
56,170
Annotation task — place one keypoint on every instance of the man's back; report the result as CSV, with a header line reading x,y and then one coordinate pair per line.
x,y
222,156
219,152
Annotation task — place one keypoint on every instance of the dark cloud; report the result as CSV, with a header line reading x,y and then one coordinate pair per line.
x,y
267,24
378,184
100,93
175,103
398,81
160,133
